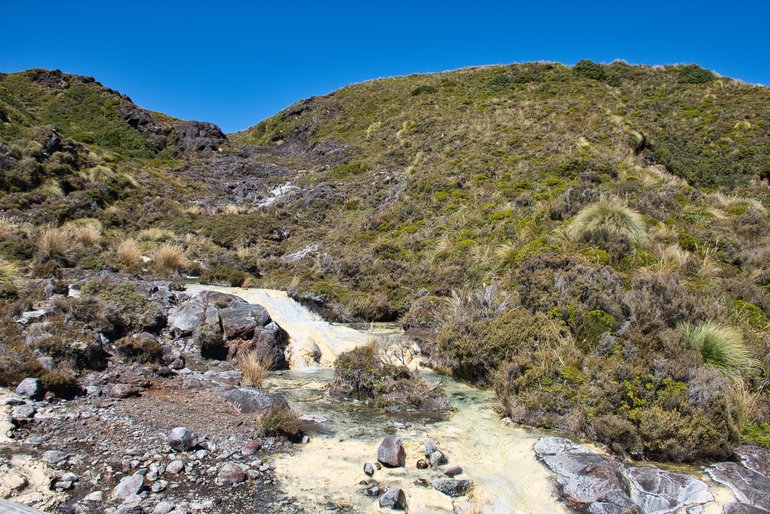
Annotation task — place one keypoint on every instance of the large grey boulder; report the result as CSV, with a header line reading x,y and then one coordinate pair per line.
x,y
183,320
584,477
391,452
31,388
659,491
249,400
748,486
393,499
755,458
241,319
181,439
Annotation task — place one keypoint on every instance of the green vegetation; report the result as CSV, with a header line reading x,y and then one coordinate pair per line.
x,y
722,347
607,217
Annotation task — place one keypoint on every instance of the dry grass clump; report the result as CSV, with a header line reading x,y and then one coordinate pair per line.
x,y
54,243
128,254
87,235
721,346
254,366
171,258
10,279
154,234
609,216
9,228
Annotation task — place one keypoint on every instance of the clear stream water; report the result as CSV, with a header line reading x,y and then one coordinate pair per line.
x,y
496,455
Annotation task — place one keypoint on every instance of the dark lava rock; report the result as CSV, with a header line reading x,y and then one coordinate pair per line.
x,y
422,464
252,400
430,447
393,499
368,469
185,319
391,452
453,488
755,458
230,474
181,439
240,319
453,471
31,388
741,508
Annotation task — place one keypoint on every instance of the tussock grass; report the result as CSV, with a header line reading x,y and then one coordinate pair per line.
x,y
254,366
721,346
171,257
54,243
611,216
10,279
154,234
128,254
88,235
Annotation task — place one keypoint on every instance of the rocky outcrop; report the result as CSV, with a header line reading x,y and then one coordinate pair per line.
x,y
249,400
598,483
750,486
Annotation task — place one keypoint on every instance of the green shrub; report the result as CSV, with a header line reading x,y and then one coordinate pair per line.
x,y
281,422
720,346
140,348
423,90
10,279
757,433
224,275
589,69
209,338
61,384
694,74
610,217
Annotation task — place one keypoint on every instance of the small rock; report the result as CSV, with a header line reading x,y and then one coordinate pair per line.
x,y
393,499
423,464
96,496
159,486
55,457
369,469
430,447
250,448
31,388
437,459
124,391
163,507
128,486
181,439
175,467
22,413
230,474
375,490
391,452
453,488
453,471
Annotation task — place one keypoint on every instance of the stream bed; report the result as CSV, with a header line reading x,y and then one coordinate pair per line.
x,y
327,472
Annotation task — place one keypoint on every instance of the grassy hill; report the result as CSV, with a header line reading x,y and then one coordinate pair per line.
x,y
592,241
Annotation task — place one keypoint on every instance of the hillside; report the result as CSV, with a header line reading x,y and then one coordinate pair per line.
x,y
592,241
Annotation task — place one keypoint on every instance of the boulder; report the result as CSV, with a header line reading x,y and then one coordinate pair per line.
x,y
452,487
453,471
755,458
128,486
22,413
585,477
181,439
183,320
249,400
391,452
240,319
748,486
55,457
31,388
124,391
741,508
661,491
393,499
230,474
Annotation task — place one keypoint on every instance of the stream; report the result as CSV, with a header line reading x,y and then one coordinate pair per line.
x,y
326,472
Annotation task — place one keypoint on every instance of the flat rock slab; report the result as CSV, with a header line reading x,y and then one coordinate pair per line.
x,y
601,484
241,319
452,487
750,487
249,400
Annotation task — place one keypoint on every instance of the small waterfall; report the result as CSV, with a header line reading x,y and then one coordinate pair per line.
x,y
313,342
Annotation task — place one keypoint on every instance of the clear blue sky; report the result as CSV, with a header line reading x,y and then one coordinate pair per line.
x,y
235,63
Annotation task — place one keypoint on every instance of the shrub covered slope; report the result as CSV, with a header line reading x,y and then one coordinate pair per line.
x,y
591,241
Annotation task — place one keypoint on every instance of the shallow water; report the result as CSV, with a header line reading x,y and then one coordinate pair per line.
x,y
497,456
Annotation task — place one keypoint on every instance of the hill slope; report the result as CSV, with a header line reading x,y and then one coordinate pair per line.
x,y
619,212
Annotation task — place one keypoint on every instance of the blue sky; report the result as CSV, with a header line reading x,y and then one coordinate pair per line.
x,y
235,63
